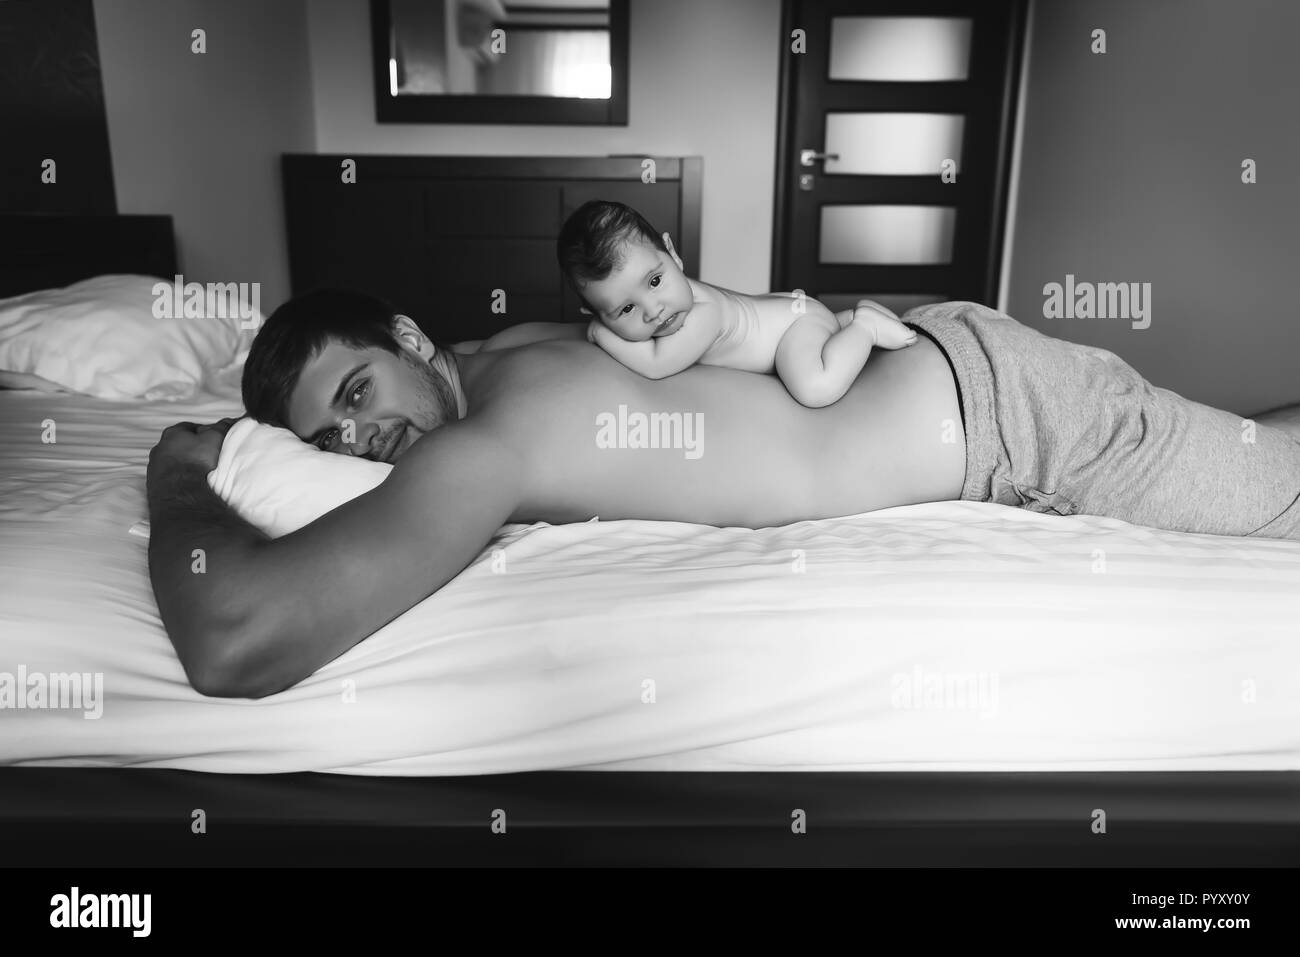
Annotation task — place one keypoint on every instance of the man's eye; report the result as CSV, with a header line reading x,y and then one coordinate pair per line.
x,y
359,392
327,440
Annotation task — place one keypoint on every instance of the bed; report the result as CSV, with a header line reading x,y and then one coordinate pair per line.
x,y
953,683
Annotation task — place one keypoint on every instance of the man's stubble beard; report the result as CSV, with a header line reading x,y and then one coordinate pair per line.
x,y
436,400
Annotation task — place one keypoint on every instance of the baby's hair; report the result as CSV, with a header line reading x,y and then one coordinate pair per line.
x,y
591,241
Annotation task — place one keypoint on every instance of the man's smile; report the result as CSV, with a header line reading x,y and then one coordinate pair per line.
x,y
389,450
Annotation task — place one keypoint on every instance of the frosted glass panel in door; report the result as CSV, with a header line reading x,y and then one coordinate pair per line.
x,y
900,49
887,235
893,144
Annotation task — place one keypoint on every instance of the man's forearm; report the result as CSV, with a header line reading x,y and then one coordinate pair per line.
x,y
200,557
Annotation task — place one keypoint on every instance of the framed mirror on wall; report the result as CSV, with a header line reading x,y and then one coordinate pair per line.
x,y
490,61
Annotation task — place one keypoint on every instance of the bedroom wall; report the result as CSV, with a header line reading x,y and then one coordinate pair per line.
x,y
199,136
730,121
1131,172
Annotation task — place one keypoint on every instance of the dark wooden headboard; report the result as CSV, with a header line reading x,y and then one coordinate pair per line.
x,y
45,251
436,235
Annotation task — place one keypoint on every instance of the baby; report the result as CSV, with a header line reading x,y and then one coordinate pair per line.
x,y
657,322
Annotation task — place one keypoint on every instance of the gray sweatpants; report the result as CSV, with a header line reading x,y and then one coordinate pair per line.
x,y
1052,426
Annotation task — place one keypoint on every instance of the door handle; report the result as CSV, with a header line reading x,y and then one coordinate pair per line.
x,y
808,157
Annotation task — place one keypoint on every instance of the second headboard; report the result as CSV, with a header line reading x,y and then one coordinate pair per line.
x,y
46,251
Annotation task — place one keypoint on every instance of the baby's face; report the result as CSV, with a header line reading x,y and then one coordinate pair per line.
x,y
646,296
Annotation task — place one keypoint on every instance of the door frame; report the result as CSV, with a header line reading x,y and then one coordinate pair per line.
x,y
1017,48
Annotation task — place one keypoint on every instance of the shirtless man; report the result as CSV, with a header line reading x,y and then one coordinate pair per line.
x,y
980,408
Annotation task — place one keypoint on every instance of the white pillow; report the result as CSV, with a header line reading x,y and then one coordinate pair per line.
x,y
100,336
278,483
21,380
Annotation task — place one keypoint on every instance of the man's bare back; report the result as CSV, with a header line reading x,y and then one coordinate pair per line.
x,y
268,613
894,439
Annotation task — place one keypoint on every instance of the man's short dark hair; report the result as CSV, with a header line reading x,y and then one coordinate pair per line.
x,y
591,240
297,332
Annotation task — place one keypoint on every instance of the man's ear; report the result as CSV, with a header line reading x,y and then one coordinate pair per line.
x,y
668,242
410,336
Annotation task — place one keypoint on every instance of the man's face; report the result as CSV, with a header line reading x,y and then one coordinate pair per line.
x,y
645,296
388,400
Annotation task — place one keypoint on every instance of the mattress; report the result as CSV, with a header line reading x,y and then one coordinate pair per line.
x,y
953,636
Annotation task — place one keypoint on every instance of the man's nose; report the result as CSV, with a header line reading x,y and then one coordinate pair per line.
x,y
365,437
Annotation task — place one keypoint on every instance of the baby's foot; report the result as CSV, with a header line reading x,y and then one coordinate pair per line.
x,y
886,330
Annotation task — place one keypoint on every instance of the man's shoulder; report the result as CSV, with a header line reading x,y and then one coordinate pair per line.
x,y
527,378
542,354
530,333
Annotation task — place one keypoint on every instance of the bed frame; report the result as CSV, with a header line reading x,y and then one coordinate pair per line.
x,y
134,817
441,238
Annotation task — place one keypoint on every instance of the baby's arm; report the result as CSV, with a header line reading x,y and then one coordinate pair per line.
x,y
661,357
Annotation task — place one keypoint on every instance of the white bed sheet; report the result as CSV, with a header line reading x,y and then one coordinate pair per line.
x,y
1113,647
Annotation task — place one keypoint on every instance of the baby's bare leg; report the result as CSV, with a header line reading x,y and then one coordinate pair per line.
x,y
818,358
887,331
818,361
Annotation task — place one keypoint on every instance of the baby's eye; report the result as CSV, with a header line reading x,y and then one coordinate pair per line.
x,y
654,281
625,310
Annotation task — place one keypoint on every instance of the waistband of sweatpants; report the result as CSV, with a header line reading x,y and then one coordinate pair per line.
x,y
974,376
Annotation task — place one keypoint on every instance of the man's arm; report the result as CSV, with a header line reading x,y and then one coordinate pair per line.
x,y
266,613
195,539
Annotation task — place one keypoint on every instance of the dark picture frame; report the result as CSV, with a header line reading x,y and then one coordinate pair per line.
x,y
531,110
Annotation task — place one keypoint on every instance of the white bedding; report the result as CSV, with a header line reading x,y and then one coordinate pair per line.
x,y
1113,647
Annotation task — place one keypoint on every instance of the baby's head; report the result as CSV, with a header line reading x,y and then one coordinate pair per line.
x,y
629,277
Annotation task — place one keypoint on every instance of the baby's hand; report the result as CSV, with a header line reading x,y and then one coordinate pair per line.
x,y
591,330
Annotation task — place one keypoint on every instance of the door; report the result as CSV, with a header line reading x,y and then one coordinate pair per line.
x,y
894,149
